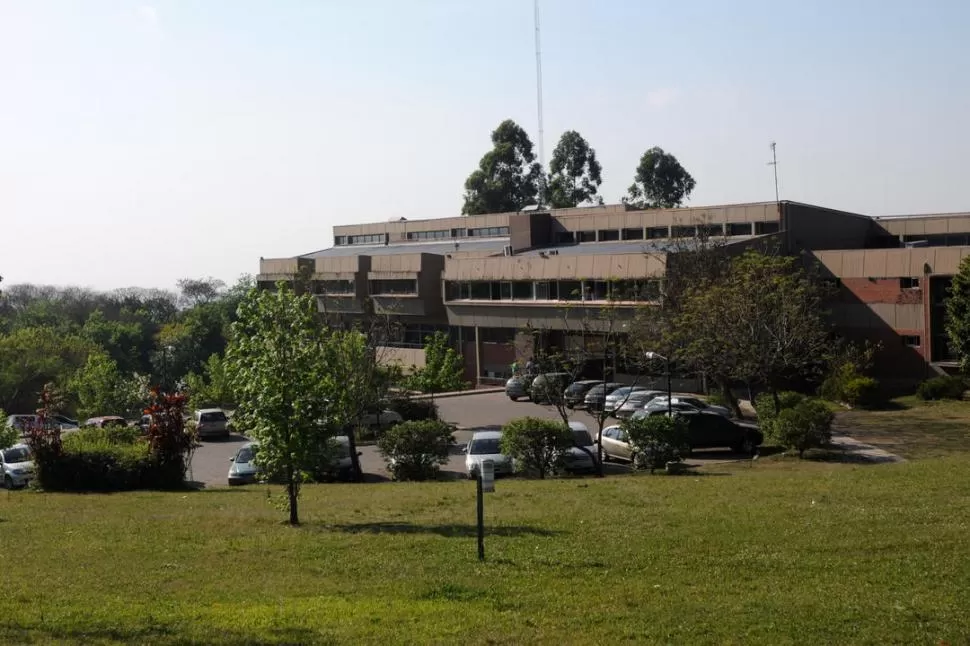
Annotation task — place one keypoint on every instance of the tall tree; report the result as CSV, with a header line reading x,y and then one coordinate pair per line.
x,y
508,177
197,291
575,175
958,314
443,369
660,182
279,364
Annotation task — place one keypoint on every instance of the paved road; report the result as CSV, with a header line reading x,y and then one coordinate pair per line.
x,y
210,464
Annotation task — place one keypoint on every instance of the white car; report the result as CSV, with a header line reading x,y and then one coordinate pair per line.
x,y
211,422
659,403
576,459
16,465
636,401
486,445
244,469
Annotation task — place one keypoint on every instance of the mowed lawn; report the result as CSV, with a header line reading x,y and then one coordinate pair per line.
x,y
778,552
912,428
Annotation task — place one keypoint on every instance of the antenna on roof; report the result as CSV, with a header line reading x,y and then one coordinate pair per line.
x,y
774,163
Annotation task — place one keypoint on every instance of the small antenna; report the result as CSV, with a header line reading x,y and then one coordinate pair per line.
x,y
542,160
774,162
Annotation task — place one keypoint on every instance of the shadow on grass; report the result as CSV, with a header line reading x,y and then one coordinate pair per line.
x,y
165,635
451,531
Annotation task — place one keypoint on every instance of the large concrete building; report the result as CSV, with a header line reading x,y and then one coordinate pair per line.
x,y
486,278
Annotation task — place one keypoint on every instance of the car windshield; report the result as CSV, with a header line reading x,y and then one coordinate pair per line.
x,y
245,455
575,388
622,392
582,438
483,446
213,417
597,390
18,454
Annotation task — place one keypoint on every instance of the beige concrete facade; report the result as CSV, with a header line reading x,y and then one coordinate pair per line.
x,y
926,224
892,263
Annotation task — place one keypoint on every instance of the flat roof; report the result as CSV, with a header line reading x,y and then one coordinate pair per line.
x,y
440,247
658,245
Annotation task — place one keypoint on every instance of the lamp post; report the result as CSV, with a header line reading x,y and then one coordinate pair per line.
x,y
670,400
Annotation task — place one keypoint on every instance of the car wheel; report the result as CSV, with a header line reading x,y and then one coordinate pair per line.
x,y
747,446
570,406
515,399
8,482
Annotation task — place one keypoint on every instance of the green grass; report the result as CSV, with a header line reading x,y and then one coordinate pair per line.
x,y
775,553
912,428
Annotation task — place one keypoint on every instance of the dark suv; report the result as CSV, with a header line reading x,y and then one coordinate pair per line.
x,y
710,430
576,392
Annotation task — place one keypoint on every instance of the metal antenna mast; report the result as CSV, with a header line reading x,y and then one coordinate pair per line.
x,y
774,163
542,157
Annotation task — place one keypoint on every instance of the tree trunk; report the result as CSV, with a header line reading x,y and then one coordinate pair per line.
x,y
291,492
729,396
777,400
352,444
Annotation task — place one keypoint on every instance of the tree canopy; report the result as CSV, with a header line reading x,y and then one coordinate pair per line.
x,y
508,178
575,174
660,182
958,314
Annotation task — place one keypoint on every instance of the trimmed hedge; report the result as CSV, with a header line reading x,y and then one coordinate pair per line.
x,y
943,387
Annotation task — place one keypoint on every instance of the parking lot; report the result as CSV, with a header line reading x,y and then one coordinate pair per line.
x,y
469,413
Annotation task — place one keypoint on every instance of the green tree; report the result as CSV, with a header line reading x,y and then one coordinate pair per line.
x,y
575,175
508,177
660,182
443,369
280,363
797,423
8,435
958,315
657,440
101,389
198,291
33,356
536,445
125,341
416,450
212,387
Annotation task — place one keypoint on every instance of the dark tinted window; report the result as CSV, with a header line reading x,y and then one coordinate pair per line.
x,y
609,235
218,416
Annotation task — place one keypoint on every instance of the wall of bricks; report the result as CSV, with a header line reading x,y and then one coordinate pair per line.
x,y
879,290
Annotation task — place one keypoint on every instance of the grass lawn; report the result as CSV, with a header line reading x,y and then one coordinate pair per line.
x,y
774,553
912,428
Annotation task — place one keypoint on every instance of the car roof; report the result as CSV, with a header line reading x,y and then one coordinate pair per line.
x,y
487,435
102,418
20,445
210,410
587,381
578,426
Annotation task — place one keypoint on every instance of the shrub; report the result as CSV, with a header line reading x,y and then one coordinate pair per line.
x,y
8,434
861,391
536,445
943,387
764,405
416,450
657,440
414,409
807,425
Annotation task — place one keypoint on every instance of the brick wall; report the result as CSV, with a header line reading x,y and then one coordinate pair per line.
x,y
879,290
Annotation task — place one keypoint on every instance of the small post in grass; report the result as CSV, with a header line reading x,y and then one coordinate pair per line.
x,y
485,483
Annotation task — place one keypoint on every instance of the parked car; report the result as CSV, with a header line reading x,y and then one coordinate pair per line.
x,y
636,401
575,393
696,402
211,422
16,466
106,421
616,444
381,419
22,422
517,387
245,471
576,460
620,396
64,421
548,388
486,445
596,397
710,430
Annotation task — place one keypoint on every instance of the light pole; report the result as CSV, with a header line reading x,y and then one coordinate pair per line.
x,y
670,400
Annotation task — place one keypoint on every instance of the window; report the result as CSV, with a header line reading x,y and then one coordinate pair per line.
x,y
547,291
488,232
396,286
654,233
565,237
711,230
609,235
457,291
429,235
522,290
683,231
339,240
505,291
632,234
739,228
585,236
373,238
570,290
459,233
597,290
913,341
481,291
497,334
334,287
762,228
908,283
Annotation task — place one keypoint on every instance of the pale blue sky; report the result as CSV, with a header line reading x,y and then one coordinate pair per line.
x,y
141,142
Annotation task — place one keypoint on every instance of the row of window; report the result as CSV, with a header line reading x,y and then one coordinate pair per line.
x,y
657,233
939,239
553,290
371,238
377,287
415,335
488,232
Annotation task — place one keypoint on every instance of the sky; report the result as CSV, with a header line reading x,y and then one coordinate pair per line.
x,y
143,142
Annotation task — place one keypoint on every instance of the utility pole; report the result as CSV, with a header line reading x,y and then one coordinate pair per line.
x,y
774,163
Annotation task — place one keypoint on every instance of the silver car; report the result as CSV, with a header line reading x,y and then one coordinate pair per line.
x,y
620,396
245,471
211,422
486,445
636,401
658,403
16,466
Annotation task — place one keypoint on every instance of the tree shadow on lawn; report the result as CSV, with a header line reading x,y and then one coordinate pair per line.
x,y
166,634
449,531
